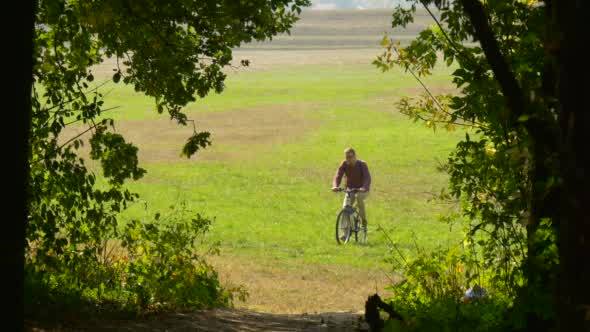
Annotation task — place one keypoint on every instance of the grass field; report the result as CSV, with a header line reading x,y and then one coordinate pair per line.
x,y
279,130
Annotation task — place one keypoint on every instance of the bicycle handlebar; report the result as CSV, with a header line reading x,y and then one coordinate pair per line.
x,y
353,190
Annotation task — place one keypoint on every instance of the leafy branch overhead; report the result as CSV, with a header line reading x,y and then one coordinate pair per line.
x,y
173,51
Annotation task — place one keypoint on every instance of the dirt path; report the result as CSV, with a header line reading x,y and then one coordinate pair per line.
x,y
317,298
227,320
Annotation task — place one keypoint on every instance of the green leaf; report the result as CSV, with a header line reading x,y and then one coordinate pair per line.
x,y
196,142
393,325
385,41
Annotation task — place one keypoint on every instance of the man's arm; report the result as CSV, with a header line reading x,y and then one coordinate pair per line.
x,y
338,177
366,177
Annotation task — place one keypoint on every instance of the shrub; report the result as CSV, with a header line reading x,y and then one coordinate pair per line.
x,y
151,265
429,297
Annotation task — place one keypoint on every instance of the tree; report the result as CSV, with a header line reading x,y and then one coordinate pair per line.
x,y
16,209
172,51
522,92
567,80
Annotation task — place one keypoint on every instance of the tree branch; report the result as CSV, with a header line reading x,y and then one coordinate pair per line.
x,y
194,126
447,122
81,119
421,83
431,95
76,98
76,137
508,83
453,45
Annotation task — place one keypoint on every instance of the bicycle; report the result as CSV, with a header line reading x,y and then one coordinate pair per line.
x,y
349,221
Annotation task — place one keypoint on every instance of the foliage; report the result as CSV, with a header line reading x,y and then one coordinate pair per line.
x,y
172,52
430,296
490,170
157,265
196,142
165,268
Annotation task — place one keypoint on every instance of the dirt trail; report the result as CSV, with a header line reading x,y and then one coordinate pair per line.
x,y
308,288
320,298
229,320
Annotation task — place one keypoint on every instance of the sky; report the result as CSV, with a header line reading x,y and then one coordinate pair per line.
x,y
358,4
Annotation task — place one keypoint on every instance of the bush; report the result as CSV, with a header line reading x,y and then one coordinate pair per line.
x,y
149,266
164,268
429,298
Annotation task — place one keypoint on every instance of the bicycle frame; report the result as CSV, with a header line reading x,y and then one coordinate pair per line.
x,y
352,212
348,207
349,193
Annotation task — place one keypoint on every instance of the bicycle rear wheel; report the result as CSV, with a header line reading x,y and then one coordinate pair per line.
x,y
343,227
361,235
360,232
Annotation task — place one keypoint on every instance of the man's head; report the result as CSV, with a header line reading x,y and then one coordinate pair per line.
x,y
350,156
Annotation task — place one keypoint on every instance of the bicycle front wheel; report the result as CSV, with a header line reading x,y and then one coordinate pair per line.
x,y
343,227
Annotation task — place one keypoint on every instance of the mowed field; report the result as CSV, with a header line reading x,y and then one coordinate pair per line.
x,y
278,132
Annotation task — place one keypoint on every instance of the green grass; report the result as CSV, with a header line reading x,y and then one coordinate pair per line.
x,y
274,204
361,85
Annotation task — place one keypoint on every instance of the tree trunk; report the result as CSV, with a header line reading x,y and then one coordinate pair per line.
x,y
17,122
567,39
573,75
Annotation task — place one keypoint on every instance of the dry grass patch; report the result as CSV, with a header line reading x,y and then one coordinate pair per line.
x,y
312,288
235,134
268,59
262,60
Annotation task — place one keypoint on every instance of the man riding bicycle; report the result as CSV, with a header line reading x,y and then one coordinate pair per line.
x,y
357,177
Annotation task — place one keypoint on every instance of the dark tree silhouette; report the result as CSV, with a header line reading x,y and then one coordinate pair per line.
x,y
534,102
172,51
568,44
15,207
566,80
372,317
